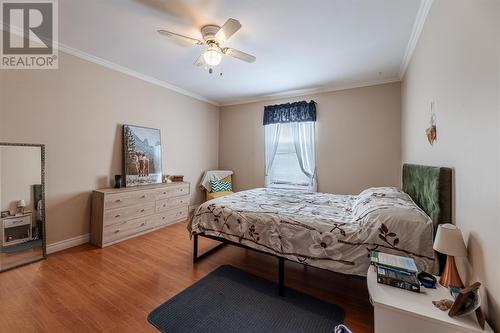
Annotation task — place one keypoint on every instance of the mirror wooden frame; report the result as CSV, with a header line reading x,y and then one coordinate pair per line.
x,y
44,219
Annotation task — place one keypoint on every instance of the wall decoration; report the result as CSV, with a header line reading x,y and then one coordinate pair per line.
x,y
431,132
142,155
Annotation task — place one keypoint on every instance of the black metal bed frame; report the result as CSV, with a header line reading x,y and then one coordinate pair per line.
x,y
196,257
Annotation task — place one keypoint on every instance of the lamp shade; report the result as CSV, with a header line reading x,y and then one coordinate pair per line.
x,y
21,204
449,241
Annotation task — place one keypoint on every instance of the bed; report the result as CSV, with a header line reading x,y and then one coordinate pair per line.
x,y
330,231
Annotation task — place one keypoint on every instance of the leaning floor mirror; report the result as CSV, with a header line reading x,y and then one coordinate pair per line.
x,y
22,203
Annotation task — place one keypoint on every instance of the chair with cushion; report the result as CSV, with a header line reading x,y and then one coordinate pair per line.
x,y
222,181
220,188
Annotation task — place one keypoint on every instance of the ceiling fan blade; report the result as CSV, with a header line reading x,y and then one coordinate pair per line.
x,y
185,39
238,54
200,61
227,30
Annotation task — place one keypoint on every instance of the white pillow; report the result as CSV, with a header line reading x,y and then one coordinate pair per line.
x,y
386,204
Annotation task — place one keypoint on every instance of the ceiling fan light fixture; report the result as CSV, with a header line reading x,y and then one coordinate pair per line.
x,y
212,56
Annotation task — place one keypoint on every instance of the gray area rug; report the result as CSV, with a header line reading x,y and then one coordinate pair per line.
x,y
231,300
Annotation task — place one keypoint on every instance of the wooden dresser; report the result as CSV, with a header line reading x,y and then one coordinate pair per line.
x,y
119,214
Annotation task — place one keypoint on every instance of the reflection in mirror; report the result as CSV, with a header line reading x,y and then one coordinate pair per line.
x,y
22,226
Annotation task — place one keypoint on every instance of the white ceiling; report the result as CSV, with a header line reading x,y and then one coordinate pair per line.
x,y
299,44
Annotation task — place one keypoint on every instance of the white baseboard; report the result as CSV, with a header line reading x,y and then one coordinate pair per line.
x,y
67,243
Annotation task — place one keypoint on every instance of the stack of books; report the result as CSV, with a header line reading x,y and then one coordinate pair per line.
x,y
397,271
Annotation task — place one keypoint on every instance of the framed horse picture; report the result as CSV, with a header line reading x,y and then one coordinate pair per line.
x,y
142,155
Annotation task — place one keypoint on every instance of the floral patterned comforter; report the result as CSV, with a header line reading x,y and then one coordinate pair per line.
x,y
334,232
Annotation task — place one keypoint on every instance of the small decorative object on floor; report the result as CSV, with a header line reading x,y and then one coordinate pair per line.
x,y
449,241
443,305
342,329
118,181
468,301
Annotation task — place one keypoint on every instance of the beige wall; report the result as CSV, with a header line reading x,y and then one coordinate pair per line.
x,y
20,169
358,139
78,110
456,65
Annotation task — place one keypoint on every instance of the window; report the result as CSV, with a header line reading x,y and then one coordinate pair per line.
x,y
290,155
290,145
286,171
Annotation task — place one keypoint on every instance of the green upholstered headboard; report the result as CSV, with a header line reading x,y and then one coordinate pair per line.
x,y
430,187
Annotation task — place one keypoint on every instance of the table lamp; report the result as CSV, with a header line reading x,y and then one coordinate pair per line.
x,y
20,206
449,241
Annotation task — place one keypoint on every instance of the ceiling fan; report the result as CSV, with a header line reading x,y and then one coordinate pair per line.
x,y
214,37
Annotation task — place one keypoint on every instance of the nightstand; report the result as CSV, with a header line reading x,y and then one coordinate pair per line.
x,y
398,310
15,229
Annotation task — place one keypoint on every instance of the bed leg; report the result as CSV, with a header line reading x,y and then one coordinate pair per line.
x,y
195,248
281,276
197,257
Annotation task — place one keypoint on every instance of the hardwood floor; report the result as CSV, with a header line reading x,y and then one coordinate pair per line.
x,y
87,289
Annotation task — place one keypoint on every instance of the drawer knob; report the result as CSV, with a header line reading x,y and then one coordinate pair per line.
x,y
163,217
164,205
181,189
117,216
118,200
142,210
143,196
143,224
164,192
117,231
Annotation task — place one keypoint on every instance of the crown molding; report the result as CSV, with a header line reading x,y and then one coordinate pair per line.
x,y
310,91
122,69
125,70
418,26
416,31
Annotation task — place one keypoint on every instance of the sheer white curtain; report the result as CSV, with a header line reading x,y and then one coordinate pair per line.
x,y
304,141
272,141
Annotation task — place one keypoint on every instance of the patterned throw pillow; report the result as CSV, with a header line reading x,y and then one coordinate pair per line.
x,y
218,186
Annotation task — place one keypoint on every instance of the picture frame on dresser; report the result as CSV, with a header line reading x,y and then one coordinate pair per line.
x,y
142,155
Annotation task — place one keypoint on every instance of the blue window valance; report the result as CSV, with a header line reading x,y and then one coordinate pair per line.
x,y
290,112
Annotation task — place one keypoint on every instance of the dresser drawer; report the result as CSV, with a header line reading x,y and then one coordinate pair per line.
x,y
171,215
16,221
128,198
163,205
128,228
174,191
128,213
119,214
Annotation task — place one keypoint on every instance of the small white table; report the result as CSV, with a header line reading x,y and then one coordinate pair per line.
x,y
397,310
